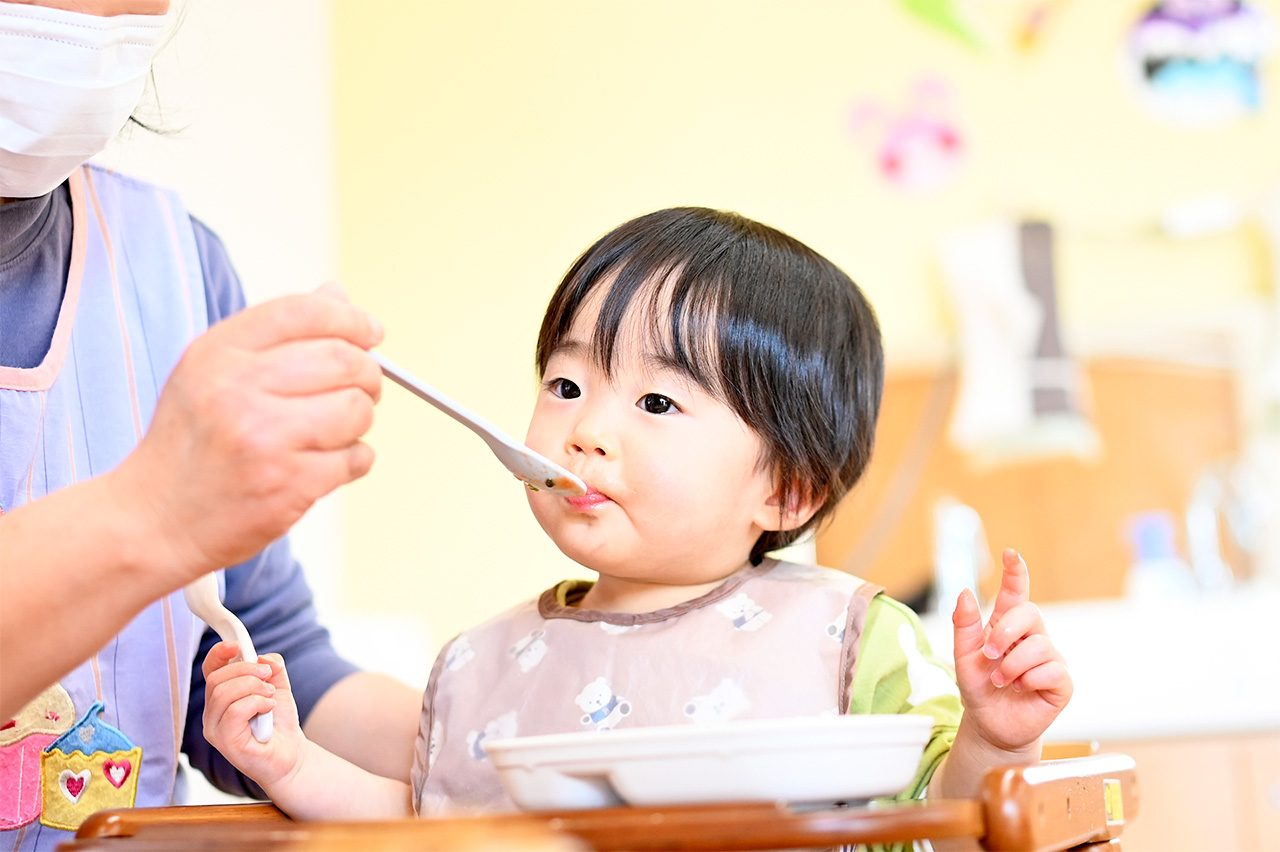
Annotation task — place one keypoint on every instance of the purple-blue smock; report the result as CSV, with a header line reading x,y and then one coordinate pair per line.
x,y
103,283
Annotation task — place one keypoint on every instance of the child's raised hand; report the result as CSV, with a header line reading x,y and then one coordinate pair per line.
x,y
1012,679
237,691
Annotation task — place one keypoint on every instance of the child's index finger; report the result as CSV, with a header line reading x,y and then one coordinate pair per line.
x,y
1015,584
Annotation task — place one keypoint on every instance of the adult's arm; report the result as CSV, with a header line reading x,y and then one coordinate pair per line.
x,y
271,596
262,416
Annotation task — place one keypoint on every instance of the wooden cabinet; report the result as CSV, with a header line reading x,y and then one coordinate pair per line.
x,y
1201,793
1160,427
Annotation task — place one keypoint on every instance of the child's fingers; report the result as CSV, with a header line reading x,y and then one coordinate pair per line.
x,y
227,688
219,655
1026,655
279,677
242,710
1015,584
967,621
233,683
1051,680
229,725
1003,633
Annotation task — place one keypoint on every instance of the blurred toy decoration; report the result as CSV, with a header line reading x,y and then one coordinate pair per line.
x,y
1196,62
1031,25
962,20
951,17
917,148
1019,393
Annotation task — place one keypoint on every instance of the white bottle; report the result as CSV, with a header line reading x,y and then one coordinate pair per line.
x,y
1156,571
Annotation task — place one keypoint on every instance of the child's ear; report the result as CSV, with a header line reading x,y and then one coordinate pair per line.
x,y
800,507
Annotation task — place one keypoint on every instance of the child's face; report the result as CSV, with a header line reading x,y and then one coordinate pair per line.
x,y
677,494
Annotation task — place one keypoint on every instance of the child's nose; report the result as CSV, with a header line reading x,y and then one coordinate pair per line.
x,y
591,436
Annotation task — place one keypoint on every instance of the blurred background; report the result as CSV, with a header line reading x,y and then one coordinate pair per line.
x,y
1066,213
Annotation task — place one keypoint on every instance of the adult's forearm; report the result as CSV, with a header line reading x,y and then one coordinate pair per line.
x,y
87,538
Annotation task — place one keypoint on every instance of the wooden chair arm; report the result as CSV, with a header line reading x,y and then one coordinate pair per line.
x,y
1074,748
126,822
1051,805
1058,804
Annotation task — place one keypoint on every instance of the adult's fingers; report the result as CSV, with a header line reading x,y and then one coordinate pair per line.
x,y
333,290
315,365
325,470
329,421
301,316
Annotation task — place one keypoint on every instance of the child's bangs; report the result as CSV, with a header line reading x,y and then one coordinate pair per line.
x,y
664,301
670,313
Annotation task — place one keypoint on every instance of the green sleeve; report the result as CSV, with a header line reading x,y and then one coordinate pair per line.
x,y
897,672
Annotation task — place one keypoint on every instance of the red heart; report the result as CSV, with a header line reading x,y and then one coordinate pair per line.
x,y
75,785
113,769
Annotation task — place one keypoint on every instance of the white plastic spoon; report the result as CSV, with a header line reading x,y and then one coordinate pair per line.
x,y
535,471
202,599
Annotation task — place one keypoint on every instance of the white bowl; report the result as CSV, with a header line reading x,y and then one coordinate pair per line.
x,y
809,760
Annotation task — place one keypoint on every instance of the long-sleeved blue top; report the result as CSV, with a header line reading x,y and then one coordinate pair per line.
x,y
268,592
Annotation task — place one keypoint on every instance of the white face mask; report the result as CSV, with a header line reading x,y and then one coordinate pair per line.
x,y
68,83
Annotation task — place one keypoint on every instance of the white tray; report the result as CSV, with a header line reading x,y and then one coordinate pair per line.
x,y
810,760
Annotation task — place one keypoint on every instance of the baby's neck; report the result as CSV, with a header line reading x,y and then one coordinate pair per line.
x,y
614,594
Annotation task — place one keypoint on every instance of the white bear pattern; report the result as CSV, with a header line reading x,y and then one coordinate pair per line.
x,y
499,728
616,629
530,650
745,613
460,653
835,629
724,702
600,706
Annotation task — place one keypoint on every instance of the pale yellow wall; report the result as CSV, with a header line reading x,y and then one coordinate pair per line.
x,y
482,145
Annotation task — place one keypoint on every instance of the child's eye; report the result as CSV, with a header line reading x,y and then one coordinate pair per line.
x,y
564,388
656,403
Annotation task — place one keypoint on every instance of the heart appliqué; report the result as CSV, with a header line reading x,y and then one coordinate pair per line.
x,y
117,772
72,784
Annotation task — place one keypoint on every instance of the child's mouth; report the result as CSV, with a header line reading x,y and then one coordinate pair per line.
x,y
591,500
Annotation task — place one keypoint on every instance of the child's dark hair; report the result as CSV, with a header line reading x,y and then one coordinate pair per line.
x,y
757,319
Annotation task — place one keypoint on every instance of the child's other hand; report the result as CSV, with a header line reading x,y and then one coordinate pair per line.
x,y
237,691
1012,679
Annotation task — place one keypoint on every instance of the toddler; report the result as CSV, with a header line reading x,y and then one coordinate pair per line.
x,y
716,384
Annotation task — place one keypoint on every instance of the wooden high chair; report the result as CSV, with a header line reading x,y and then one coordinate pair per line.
x,y
1069,803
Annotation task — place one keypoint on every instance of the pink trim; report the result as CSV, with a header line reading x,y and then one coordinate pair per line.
x,y
35,445
42,377
125,344
182,263
97,674
171,651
